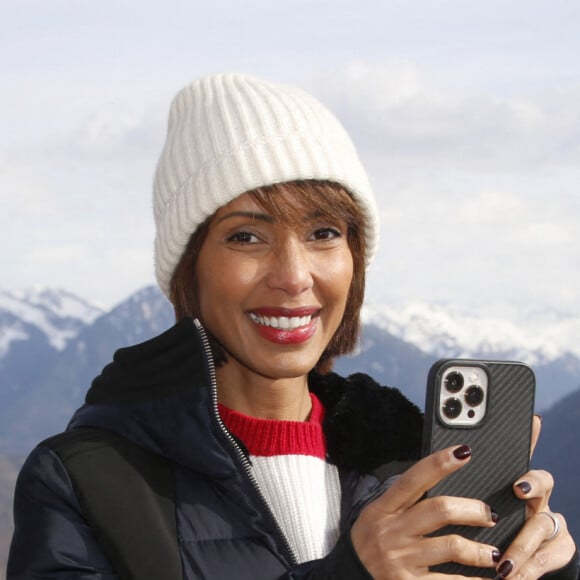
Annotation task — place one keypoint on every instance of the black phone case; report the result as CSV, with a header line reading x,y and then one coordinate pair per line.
x,y
500,447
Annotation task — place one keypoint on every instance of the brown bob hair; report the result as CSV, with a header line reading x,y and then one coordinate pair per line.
x,y
307,196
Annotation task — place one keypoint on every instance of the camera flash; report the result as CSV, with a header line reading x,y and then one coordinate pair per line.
x,y
473,377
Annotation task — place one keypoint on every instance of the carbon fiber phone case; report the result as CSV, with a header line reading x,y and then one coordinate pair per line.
x,y
500,447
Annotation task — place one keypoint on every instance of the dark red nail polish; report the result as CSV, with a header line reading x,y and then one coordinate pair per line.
x,y
524,487
494,516
496,556
505,568
462,452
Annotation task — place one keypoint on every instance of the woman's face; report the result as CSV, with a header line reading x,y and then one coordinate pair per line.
x,y
273,295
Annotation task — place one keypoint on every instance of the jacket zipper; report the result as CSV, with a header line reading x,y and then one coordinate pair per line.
x,y
245,462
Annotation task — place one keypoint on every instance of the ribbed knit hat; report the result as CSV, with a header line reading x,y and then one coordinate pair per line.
x,y
231,133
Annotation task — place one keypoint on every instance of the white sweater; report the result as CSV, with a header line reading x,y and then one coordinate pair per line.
x,y
301,488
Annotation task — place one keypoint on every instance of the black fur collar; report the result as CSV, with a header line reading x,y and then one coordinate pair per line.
x,y
367,425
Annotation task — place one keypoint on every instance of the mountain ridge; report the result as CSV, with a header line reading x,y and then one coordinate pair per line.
x,y
531,335
56,313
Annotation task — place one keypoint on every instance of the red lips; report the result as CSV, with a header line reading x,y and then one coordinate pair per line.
x,y
274,331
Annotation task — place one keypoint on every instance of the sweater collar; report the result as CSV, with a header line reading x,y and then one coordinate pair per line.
x,y
267,437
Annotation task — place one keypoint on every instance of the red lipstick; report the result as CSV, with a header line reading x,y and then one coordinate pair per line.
x,y
284,325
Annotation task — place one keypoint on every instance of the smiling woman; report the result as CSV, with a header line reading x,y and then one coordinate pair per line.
x,y
226,447
257,279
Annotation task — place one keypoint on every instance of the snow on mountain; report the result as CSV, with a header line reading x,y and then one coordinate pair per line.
x,y
61,304
58,314
10,332
534,337
145,310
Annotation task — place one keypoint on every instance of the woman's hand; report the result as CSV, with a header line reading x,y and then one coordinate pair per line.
x,y
389,536
544,543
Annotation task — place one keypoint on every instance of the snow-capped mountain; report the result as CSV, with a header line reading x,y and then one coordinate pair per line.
x,y
57,314
535,337
42,380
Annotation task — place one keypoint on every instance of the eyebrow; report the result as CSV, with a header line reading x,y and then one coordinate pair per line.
x,y
247,214
262,217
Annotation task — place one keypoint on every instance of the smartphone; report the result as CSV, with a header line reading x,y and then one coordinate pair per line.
x,y
489,406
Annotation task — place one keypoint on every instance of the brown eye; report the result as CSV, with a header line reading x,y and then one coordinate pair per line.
x,y
326,233
243,237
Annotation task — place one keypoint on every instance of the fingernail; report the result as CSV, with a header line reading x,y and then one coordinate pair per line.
x,y
539,417
462,452
505,568
496,556
494,516
524,486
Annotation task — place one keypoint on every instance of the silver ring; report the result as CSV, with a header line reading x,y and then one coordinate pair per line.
x,y
556,523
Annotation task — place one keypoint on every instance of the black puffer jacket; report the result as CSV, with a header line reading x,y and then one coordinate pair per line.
x,y
147,483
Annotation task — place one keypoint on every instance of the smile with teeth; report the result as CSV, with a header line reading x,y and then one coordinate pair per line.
x,y
282,322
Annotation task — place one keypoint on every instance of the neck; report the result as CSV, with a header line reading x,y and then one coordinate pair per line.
x,y
285,399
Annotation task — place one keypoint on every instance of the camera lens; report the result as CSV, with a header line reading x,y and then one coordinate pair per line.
x,y
452,408
474,396
454,382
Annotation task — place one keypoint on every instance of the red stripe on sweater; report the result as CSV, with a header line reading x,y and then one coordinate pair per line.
x,y
266,438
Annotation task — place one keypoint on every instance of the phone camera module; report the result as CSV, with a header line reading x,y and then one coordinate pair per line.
x,y
463,395
454,382
452,408
474,396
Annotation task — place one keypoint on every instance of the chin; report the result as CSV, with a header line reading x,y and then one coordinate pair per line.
x,y
287,371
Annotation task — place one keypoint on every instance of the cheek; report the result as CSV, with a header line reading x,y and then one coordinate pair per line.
x,y
339,274
208,289
345,268
223,285
212,292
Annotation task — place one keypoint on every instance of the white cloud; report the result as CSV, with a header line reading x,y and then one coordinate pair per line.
x,y
492,207
72,210
56,255
490,247
397,112
546,236
119,132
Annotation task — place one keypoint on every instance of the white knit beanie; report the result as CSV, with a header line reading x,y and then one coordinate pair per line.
x,y
231,133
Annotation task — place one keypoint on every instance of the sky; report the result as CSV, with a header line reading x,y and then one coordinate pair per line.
x,y
466,115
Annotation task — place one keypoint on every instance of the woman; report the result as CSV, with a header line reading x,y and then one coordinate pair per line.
x,y
225,448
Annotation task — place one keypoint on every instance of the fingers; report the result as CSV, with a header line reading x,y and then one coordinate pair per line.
x,y
534,484
535,487
544,543
542,546
455,548
434,513
389,533
414,559
410,487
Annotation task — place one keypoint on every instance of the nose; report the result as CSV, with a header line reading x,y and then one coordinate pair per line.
x,y
290,267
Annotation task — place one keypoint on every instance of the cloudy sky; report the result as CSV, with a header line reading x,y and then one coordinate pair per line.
x,y
466,114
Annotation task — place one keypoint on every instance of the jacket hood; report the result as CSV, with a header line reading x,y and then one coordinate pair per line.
x,y
159,395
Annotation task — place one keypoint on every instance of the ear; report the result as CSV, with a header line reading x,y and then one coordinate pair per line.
x,y
536,429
